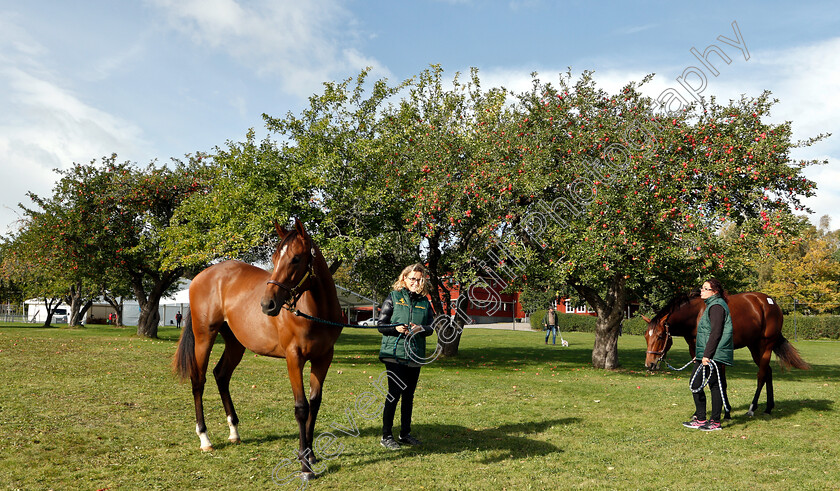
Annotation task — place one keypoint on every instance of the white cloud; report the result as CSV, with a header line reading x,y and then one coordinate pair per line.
x,y
302,42
807,81
635,29
45,126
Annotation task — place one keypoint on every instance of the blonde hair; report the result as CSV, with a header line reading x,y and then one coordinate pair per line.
x,y
424,283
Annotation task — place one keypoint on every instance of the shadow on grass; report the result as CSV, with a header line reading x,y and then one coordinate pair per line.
x,y
785,408
496,444
448,438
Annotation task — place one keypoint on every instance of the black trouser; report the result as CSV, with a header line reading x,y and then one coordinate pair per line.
x,y
714,388
402,380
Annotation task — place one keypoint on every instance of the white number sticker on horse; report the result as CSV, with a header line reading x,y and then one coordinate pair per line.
x,y
770,300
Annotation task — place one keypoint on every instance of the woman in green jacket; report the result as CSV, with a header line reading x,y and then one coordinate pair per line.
x,y
403,348
714,343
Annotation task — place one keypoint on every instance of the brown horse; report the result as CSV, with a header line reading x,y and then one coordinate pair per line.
x,y
245,304
756,324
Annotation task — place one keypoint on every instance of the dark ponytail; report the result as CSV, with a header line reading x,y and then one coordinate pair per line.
x,y
717,287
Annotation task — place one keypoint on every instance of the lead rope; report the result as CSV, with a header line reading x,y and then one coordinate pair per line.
x,y
678,369
712,368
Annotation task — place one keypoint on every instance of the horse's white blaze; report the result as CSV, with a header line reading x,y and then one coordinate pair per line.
x,y
234,433
283,250
650,333
205,441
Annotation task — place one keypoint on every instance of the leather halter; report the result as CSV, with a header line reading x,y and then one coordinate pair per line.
x,y
665,344
296,291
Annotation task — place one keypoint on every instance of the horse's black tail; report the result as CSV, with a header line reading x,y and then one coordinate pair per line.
x,y
184,364
789,356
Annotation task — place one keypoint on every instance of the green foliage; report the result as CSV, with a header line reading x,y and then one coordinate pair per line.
x,y
565,322
643,196
800,326
101,230
602,193
536,319
565,187
806,269
534,299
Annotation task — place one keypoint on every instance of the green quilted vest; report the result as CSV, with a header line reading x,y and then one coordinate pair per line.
x,y
418,311
724,352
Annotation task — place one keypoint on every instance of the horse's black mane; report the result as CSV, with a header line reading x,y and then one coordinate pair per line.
x,y
675,303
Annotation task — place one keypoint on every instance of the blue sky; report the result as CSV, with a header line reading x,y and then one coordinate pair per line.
x,y
157,79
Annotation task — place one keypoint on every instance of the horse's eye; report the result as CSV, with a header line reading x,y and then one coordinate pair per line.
x,y
295,259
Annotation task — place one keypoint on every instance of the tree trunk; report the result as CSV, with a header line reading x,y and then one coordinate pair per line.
x,y
50,308
147,325
117,306
120,312
605,351
610,311
83,310
74,300
450,348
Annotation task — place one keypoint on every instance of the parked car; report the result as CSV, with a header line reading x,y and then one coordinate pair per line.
x,y
61,316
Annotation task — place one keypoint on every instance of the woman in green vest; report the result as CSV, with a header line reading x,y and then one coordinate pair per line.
x,y
714,343
403,349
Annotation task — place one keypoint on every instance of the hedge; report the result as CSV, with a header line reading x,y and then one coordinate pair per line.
x,y
824,326
798,327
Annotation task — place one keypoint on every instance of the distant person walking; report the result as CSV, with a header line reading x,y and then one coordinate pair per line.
x,y
178,318
550,324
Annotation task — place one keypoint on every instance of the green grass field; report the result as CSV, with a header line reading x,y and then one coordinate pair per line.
x,y
98,408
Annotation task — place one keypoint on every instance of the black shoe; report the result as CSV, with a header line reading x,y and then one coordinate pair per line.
x,y
389,443
410,440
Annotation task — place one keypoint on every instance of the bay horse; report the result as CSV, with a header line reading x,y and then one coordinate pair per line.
x,y
756,323
251,308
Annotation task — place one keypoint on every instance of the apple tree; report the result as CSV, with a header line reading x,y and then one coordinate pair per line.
x,y
629,200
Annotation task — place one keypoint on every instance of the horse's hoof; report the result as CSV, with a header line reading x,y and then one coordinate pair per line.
x,y
208,448
308,476
750,414
234,441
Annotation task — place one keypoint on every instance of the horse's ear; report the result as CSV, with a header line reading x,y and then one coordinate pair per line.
x,y
299,228
646,319
281,232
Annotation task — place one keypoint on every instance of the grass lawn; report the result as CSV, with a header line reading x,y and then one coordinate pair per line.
x,y
98,408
